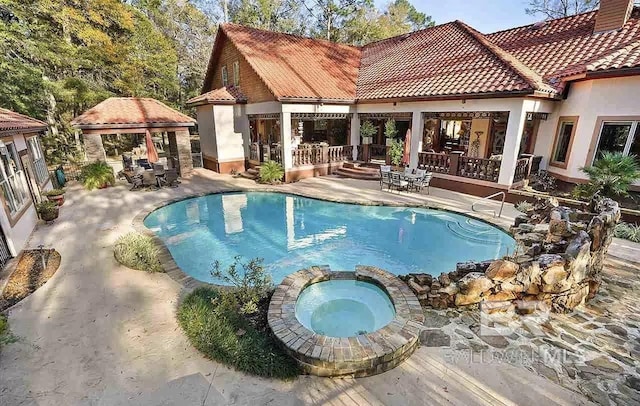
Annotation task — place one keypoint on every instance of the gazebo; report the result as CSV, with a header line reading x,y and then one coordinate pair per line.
x,y
134,115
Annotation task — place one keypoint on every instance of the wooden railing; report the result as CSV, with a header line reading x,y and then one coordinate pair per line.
x,y
479,168
378,151
434,162
254,151
522,169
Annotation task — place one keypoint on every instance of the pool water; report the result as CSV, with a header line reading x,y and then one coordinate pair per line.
x,y
291,232
344,308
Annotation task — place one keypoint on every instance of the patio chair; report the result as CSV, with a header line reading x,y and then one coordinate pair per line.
x,y
160,173
398,182
385,179
384,169
423,182
408,171
171,177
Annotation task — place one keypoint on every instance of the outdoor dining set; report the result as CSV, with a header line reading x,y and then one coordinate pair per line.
x,y
409,179
149,175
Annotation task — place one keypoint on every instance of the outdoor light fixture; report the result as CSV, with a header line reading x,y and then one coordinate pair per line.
x,y
3,148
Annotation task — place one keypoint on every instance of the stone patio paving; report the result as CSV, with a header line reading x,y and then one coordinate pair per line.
x,y
101,334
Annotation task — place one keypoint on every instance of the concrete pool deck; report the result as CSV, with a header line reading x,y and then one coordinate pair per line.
x,y
101,334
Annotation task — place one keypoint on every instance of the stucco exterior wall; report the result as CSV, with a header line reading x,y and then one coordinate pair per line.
x,y
588,100
17,227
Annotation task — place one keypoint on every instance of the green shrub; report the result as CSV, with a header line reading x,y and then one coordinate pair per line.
x,y
5,334
138,251
396,151
610,176
367,129
251,284
271,172
524,206
221,333
97,175
628,231
54,192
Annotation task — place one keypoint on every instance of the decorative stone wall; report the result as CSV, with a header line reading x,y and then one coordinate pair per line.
x,y
361,355
557,262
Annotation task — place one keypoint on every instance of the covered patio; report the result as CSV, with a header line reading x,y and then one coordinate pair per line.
x,y
142,118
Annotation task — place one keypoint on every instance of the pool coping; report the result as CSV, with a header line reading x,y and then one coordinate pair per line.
x,y
358,356
172,269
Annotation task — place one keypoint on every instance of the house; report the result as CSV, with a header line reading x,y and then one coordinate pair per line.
x,y
23,176
483,109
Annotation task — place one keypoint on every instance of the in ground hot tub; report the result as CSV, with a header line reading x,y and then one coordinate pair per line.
x,y
344,308
346,323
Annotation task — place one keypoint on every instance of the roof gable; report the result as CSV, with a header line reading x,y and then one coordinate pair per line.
x,y
10,121
295,67
117,112
223,95
446,60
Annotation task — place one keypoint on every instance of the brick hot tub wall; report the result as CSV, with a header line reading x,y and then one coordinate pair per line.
x,y
558,262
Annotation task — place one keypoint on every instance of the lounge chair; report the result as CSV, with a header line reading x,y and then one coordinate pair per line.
x,y
398,182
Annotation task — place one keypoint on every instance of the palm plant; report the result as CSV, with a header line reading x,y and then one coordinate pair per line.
x,y
271,172
610,176
96,175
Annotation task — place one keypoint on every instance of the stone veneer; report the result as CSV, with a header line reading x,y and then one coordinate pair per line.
x,y
362,355
557,263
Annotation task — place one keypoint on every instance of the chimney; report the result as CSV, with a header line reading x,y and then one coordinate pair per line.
x,y
612,15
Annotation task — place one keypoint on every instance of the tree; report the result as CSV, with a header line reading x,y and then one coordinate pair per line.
x,y
551,9
274,15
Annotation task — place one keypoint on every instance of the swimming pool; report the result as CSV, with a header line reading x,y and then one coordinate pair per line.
x,y
292,232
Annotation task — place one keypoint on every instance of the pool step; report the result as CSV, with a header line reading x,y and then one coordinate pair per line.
x,y
355,171
482,237
251,173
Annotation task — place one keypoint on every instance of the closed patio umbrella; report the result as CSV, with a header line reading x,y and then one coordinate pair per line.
x,y
407,147
152,154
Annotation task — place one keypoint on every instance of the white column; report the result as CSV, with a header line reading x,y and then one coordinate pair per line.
x,y
515,126
285,139
355,134
417,128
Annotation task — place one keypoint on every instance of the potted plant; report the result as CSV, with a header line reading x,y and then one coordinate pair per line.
x,y
48,210
97,175
55,195
390,131
367,130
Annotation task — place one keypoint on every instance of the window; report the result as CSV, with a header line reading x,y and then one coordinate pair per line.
x,y
225,76
618,136
236,73
12,180
40,166
562,144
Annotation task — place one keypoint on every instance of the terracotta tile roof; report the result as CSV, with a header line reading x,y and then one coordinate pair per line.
x,y
627,57
298,67
449,59
131,112
565,46
223,95
10,121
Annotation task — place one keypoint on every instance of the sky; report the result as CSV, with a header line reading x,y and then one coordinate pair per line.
x,y
485,16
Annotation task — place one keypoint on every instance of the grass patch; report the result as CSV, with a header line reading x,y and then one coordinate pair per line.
x,y
221,333
5,334
138,251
